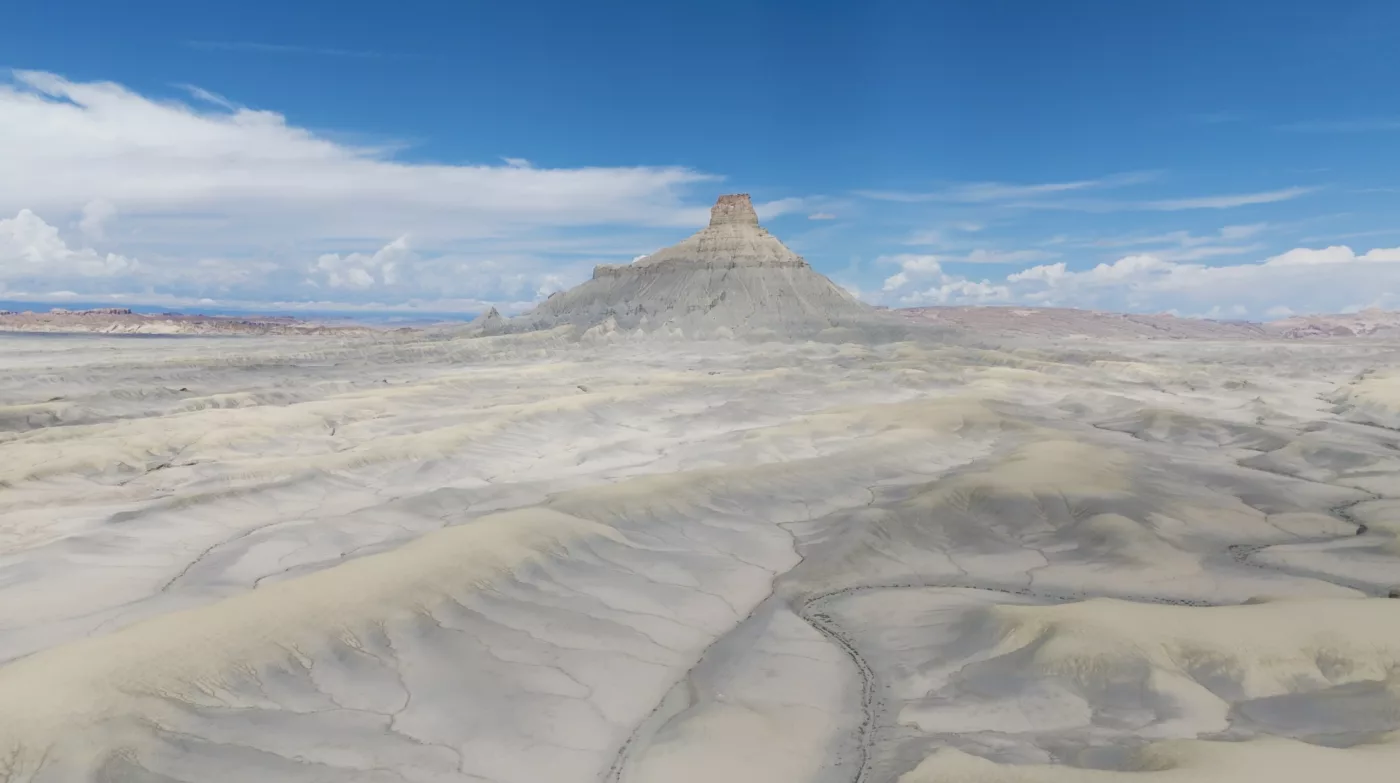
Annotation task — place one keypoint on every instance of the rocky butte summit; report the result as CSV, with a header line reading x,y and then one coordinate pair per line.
x,y
731,278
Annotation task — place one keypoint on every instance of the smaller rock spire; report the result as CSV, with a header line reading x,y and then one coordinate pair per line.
x,y
734,209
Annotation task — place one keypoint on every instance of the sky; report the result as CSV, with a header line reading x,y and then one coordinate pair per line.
x,y
1209,158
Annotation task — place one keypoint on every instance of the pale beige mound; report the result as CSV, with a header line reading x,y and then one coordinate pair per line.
x,y
189,655
1048,466
1185,761
1375,398
1266,648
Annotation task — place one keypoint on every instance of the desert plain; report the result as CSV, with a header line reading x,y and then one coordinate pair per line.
x,y
553,557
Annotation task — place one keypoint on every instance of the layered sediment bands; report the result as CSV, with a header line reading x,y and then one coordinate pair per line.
x,y
732,277
544,557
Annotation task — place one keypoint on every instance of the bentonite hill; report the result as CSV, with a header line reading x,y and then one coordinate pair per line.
x,y
731,277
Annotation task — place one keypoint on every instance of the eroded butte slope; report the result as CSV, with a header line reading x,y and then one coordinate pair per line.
x,y
732,277
524,558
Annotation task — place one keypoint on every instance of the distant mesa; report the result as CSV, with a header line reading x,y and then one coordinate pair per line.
x,y
1371,322
731,277
123,320
93,311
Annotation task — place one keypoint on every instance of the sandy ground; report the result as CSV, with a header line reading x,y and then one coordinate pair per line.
x,y
525,560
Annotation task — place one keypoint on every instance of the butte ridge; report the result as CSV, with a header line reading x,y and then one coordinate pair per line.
x,y
730,278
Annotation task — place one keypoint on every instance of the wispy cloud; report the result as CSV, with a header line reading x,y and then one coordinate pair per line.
x,y
986,192
1006,256
1067,195
209,97
821,216
268,48
950,236
1226,202
911,262
1182,238
1371,125
1186,246
1383,232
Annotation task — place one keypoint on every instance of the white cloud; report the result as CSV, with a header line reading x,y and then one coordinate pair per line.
x,y
940,237
771,209
1332,279
1227,202
69,143
984,192
357,270
1337,254
921,281
896,281
1199,252
1047,273
1185,246
1166,205
219,200
96,214
209,97
931,237
1183,238
31,248
548,285
1242,232
981,256
977,256
821,216
1072,195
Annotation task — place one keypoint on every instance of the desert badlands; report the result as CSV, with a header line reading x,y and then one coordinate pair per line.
x,y
706,517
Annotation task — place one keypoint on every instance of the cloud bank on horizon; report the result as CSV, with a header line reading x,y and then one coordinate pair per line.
x,y
109,194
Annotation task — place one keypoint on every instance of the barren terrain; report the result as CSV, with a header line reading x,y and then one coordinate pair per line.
x,y
117,320
532,558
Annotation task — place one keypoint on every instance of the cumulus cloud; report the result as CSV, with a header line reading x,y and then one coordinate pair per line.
x,y
1331,279
548,285
916,264
358,270
30,248
922,281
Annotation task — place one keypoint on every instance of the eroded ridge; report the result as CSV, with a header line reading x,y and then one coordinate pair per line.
x,y
529,557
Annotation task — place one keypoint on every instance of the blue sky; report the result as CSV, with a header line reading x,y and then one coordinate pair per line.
x,y
1228,158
